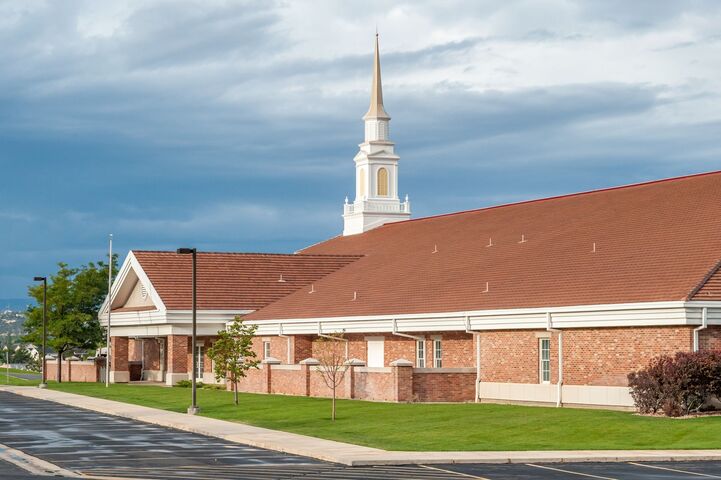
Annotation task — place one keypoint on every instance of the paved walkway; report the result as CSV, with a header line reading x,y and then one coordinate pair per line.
x,y
344,453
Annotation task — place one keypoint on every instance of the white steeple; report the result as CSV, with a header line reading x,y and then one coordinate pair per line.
x,y
376,165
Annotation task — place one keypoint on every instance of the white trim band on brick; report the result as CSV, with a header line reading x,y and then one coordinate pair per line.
x,y
583,316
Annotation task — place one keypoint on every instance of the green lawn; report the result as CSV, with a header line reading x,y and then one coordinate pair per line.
x,y
14,380
17,370
431,426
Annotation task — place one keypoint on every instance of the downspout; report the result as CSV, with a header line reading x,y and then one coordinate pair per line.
x,y
549,328
395,331
704,325
478,357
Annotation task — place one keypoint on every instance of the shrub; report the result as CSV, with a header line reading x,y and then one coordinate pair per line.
x,y
188,384
677,385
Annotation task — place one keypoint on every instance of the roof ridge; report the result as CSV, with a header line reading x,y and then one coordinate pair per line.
x,y
555,197
291,255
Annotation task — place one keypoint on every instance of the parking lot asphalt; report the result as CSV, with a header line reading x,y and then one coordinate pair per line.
x,y
95,444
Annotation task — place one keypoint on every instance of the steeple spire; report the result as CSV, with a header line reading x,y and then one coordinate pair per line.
x,y
376,109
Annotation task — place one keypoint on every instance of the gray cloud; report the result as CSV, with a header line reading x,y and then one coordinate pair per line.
x,y
232,125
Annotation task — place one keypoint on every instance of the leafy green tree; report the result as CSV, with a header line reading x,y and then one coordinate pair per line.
x,y
232,353
73,301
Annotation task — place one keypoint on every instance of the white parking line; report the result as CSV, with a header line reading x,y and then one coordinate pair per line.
x,y
467,475
588,475
707,475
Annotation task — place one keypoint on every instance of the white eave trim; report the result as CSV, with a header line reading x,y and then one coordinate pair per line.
x,y
578,316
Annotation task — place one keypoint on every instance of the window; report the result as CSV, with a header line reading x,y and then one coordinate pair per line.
x,y
362,183
200,362
382,182
375,351
437,354
544,359
266,349
421,353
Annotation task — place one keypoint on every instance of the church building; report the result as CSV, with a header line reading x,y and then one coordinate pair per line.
x,y
551,301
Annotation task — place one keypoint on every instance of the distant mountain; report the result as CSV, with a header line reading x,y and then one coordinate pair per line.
x,y
15,304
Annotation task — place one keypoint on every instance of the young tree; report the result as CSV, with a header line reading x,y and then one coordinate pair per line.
x,y
332,358
232,353
74,298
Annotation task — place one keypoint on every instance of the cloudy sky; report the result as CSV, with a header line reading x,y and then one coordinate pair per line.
x,y
232,125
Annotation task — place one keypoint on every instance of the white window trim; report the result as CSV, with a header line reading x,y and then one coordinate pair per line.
x,y
421,359
437,361
266,349
541,341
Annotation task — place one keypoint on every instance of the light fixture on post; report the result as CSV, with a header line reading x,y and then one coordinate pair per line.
x,y
193,409
44,380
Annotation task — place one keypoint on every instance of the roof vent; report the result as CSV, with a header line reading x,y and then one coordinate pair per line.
x,y
280,280
312,288
435,249
594,248
523,239
355,296
486,290
143,292
490,242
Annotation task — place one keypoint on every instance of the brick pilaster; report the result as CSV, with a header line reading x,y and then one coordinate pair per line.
x,y
177,351
402,371
119,372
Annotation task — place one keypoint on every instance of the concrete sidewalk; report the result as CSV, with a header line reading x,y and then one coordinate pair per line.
x,y
344,453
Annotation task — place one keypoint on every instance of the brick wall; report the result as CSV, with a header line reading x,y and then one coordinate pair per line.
x,y
318,387
388,384
302,347
119,354
177,351
710,338
253,382
602,356
76,371
289,382
606,356
373,386
444,387
591,357
511,356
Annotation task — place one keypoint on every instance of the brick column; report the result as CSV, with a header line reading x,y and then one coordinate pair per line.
x,y
119,372
305,370
267,366
177,352
402,371
349,378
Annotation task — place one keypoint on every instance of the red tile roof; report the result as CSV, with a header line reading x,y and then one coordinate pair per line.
x,y
710,287
655,241
233,281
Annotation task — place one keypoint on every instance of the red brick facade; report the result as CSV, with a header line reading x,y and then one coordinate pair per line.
x,y
178,354
595,357
119,354
710,338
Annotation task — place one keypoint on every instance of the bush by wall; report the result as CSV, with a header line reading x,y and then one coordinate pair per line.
x,y
677,385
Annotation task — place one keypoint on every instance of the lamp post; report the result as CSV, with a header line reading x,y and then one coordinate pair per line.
x,y
43,382
193,409
7,363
